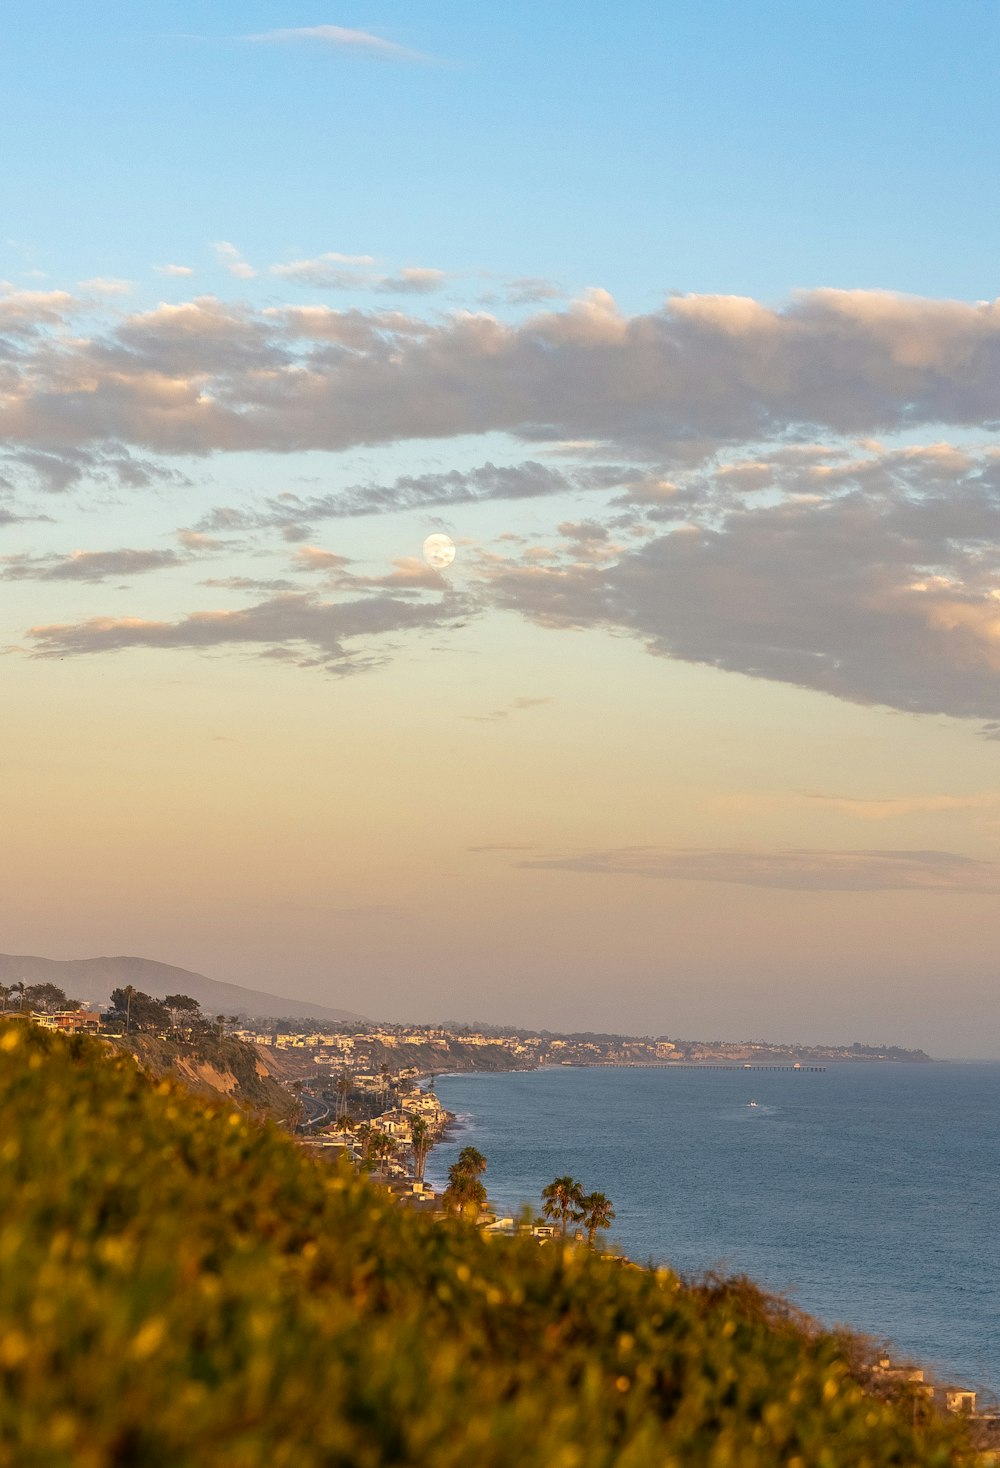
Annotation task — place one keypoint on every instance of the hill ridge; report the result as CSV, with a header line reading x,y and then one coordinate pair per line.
x,y
92,980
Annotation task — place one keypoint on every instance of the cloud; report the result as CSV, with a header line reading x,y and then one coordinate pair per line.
x,y
340,38
794,870
296,513
106,285
195,541
58,469
299,627
888,808
496,715
23,312
756,526
87,565
229,256
177,271
342,273
505,846
529,290
882,586
314,558
697,376
331,271
413,280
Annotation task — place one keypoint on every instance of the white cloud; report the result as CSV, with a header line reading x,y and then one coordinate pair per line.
x,y
229,256
179,271
105,285
341,38
335,272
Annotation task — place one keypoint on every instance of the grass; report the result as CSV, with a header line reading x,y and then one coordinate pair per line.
x,y
181,1287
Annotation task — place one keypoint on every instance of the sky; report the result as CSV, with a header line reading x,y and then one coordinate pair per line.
x,y
682,323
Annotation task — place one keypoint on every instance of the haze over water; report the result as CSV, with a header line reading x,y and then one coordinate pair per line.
x,y
870,1194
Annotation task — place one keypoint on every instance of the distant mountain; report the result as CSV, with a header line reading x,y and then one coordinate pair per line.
x,y
92,979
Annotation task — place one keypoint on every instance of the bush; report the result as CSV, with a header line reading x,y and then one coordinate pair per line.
x,y
181,1287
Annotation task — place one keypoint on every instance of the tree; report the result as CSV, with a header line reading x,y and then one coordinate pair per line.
x,y
134,1010
183,1003
465,1193
471,1161
378,1146
48,998
345,1123
562,1200
185,1012
596,1213
421,1141
19,990
343,1090
4,996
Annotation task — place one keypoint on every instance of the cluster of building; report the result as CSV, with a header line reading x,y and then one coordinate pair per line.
x,y
945,1397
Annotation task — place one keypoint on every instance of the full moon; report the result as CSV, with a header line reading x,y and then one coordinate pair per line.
x,y
439,551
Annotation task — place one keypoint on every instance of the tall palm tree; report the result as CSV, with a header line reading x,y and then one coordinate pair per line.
x,y
343,1090
421,1140
129,992
562,1200
19,989
596,1213
4,996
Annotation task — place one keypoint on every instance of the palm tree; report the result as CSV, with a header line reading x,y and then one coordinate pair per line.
x,y
18,989
344,1123
220,1020
421,1141
562,1200
378,1146
4,996
470,1161
129,992
343,1090
596,1213
465,1193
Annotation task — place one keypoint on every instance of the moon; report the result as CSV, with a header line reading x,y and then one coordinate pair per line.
x,y
439,551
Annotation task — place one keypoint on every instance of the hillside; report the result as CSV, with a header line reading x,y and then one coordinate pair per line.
x,y
183,1288
92,979
222,1066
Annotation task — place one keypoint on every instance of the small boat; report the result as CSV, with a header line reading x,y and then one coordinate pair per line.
x,y
752,1103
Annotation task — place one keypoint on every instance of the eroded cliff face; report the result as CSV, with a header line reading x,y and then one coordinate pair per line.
x,y
227,1067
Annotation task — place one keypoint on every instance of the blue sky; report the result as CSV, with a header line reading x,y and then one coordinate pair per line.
x,y
732,147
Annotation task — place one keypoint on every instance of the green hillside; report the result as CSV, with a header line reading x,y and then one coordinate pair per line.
x,y
182,1288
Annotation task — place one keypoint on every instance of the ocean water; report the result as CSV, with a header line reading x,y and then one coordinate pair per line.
x,y
869,1194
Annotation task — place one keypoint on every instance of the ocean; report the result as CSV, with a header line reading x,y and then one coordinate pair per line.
x,y
869,1194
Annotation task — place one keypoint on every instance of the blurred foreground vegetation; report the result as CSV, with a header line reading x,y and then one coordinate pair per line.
x,y
180,1285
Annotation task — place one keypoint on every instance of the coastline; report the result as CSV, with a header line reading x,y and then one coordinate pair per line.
x,y
869,1224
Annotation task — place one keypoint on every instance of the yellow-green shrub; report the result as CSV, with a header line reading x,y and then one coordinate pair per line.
x,y
183,1288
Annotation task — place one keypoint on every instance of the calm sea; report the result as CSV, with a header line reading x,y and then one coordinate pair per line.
x,y
870,1194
